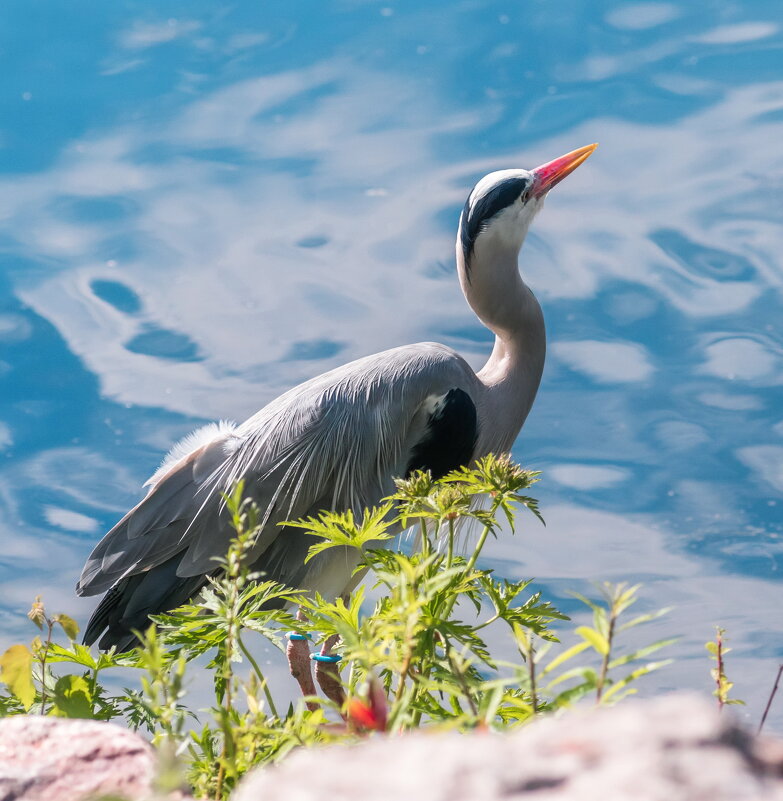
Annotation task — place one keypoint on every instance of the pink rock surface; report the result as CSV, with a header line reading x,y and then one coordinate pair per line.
x,y
52,759
671,749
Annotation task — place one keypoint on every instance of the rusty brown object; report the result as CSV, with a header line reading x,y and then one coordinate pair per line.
x,y
298,655
327,674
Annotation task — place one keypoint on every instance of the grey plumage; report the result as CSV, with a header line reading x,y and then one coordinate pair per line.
x,y
333,442
336,441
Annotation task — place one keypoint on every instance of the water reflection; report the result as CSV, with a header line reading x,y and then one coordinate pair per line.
x,y
229,206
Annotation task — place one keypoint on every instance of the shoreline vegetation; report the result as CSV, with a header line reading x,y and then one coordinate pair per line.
x,y
415,657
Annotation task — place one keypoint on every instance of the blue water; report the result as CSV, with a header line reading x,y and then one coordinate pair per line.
x,y
202,205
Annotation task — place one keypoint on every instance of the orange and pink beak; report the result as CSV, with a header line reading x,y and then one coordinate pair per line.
x,y
548,175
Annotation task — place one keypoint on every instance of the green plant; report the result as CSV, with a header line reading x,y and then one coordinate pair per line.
x,y
417,656
718,650
27,672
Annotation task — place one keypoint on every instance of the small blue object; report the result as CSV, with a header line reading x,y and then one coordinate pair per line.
x,y
295,635
332,658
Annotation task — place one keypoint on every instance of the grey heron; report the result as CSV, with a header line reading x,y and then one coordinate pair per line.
x,y
339,440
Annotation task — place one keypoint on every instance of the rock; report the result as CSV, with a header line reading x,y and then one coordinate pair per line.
x,y
54,759
670,749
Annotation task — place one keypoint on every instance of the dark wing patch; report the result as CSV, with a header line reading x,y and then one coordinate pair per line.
x,y
476,218
127,605
450,438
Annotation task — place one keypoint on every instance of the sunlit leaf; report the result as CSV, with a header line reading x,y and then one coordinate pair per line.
x,y
641,653
72,697
69,625
565,656
639,619
638,673
587,673
596,639
16,666
341,529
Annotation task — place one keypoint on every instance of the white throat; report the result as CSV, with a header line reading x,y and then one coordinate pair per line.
x,y
494,288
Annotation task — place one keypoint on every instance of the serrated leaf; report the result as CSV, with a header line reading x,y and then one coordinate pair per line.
x,y
16,670
341,529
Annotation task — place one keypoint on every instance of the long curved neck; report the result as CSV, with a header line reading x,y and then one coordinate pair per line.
x,y
503,302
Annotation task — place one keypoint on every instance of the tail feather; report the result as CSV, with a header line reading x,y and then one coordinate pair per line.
x,y
126,607
102,614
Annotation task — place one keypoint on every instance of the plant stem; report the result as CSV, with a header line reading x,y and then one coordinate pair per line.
x,y
93,688
407,659
450,554
232,630
486,623
607,656
403,673
425,540
224,756
480,544
719,676
261,678
769,700
474,557
44,654
219,782
460,676
531,667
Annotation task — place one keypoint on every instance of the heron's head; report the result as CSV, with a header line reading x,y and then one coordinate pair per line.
x,y
499,210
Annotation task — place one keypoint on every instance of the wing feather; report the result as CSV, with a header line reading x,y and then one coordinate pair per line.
x,y
336,440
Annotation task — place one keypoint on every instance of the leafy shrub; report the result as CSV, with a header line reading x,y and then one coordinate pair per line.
x,y
416,657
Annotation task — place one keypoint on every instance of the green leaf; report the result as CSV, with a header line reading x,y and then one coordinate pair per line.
x,y
573,694
645,618
586,673
565,656
341,529
595,638
77,654
641,652
622,595
69,625
16,670
491,699
597,610
638,673
72,697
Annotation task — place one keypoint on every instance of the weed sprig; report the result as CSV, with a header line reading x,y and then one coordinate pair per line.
x,y
417,656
